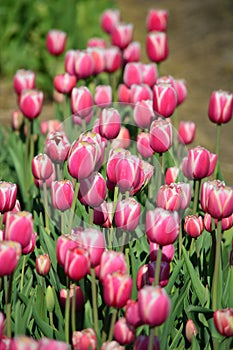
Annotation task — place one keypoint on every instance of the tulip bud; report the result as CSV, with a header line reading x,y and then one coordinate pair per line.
x,y
77,263
24,79
122,140
149,73
193,225
122,35
79,297
43,264
142,343
223,321
132,52
132,313
109,19
113,59
16,120
103,95
123,94
143,145
123,332
30,103
132,74
64,244
156,20
57,146
162,226
19,227
50,301
42,167
140,93
110,123
96,42
169,197
143,113
84,64
117,289
127,214
161,135
206,187
70,61
110,262
81,101
92,191
10,253
171,175
84,340
8,193
181,90
64,83
157,46
62,194
164,99
56,42
186,132
220,202
190,330
220,107
154,305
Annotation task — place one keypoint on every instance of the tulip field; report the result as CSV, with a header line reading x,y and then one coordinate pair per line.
x,y
116,232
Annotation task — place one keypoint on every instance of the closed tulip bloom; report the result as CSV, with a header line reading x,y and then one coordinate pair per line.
x,y
154,305
62,193
128,173
93,241
168,252
112,261
122,35
220,202
206,187
186,194
69,64
92,190
96,42
103,95
132,73
220,107
103,215
50,126
84,64
42,167
113,59
19,227
161,135
143,113
169,197
110,123
124,333
156,20
193,225
77,263
162,226
98,58
24,79
16,120
122,140
143,145
111,345
64,244
57,146
164,99
43,264
181,90
157,46
149,73
48,182
142,343
109,19
171,175
186,132
47,344
79,297
64,83
30,103
124,94
117,289
81,101
140,92
132,313
95,139
132,52
190,330
223,321
84,340
8,193
10,253
56,42
127,214
146,274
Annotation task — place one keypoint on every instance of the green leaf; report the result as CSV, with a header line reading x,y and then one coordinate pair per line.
x,y
44,327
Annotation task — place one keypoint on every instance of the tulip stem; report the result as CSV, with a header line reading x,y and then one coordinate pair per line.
x,y
1,220
217,149
22,273
73,206
91,215
46,207
73,309
113,321
67,313
180,240
157,266
217,264
197,184
8,290
151,339
94,300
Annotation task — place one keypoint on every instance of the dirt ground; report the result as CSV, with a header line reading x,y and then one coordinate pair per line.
x,y
200,35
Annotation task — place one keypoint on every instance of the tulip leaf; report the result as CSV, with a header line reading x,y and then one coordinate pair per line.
x,y
201,292
44,327
174,275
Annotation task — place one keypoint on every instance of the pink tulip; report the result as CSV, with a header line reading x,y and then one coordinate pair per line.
x,y
64,83
168,252
24,79
8,193
81,101
143,145
109,19
143,113
56,42
92,190
186,194
110,123
95,140
156,20
206,187
48,182
146,274
127,214
10,253
16,120
154,305
122,35
161,135
113,59
157,46
97,42
223,321
164,99
139,93
227,223
190,330
77,263
220,107
50,126
220,202
43,264
57,146
103,95
142,343
70,58
132,52
83,65
117,289
186,132
30,103
98,58
112,261
19,227
132,74
62,193
149,73
122,140
162,226
124,333
169,197
132,313
93,241
64,244
84,340
79,297
181,90
42,167
124,94
193,225
171,175
103,215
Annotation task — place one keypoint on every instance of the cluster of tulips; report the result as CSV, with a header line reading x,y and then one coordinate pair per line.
x,y
118,225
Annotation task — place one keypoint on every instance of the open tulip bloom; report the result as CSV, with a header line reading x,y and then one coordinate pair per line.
x,y
115,229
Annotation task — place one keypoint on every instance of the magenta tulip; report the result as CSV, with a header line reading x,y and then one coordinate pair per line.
x,y
56,42
24,79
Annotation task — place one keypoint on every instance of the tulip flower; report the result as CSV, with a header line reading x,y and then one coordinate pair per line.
x,y
117,289
42,167
92,190
77,263
223,321
24,79
124,333
10,252
57,146
132,74
157,46
161,135
146,274
81,101
70,58
8,193
143,113
85,339
79,297
193,225
156,20
168,252
122,35
143,145
16,120
164,99
109,19
171,175
84,64
112,261
62,193
169,197
220,107
64,83
149,73
46,344
56,42
127,214
98,59
124,93
96,42
190,330
110,123
19,227
186,132
113,59
139,93
132,52
64,244
30,103
227,223
43,264
103,96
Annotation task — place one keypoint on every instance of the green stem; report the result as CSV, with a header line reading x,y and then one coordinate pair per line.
x,y
217,148
73,309
51,319
67,313
180,240
197,184
217,264
198,256
22,273
113,321
46,207
8,284
94,300
91,215
157,266
151,339
63,222
1,221
73,206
